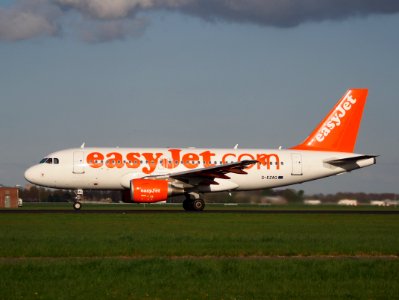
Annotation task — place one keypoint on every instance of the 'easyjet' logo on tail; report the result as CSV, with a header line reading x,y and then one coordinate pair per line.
x,y
336,118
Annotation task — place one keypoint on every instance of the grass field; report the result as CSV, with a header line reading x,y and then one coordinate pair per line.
x,y
199,256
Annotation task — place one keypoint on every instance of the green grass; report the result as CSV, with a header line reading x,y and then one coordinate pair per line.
x,y
76,235
193,279
198,256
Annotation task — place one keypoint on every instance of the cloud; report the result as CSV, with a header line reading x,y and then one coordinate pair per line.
x,y
287,13
28,20
103,20
106,9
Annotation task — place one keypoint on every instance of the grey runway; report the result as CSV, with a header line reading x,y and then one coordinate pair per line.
x,y
210,211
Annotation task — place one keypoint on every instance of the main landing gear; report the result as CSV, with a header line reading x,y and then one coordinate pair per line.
x,y
193,202
79,196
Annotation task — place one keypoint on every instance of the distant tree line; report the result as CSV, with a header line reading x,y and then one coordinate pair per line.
x,y
361,197
40,194
258,196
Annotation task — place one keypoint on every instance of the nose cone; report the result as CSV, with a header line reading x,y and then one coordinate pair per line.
x,y
31,175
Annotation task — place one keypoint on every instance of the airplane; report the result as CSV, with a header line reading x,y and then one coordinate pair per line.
x,y
148,175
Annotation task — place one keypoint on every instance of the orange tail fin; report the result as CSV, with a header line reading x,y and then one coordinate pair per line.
x,y
338,131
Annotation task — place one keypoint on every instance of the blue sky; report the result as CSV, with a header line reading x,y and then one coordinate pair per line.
x,y
180,80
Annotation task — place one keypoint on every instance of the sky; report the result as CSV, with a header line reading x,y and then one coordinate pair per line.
x,y
180,73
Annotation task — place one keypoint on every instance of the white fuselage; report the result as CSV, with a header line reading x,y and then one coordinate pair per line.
x,y
114,168
148,175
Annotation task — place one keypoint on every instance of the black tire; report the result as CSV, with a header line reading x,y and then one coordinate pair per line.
x,y
198,205
187,205
77,205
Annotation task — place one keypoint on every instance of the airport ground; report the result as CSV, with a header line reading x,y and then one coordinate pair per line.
x,y
209,255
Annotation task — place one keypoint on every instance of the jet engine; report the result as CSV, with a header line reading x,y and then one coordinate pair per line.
x,y
147,191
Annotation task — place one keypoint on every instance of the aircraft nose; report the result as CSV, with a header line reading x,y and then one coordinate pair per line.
x,y
31,175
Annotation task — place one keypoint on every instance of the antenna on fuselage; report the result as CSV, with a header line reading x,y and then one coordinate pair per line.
x,y
236,147
82,146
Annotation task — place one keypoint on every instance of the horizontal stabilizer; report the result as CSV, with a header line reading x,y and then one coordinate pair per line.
x,y
348,160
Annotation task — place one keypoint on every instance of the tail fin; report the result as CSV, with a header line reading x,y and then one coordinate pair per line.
x,y
338,131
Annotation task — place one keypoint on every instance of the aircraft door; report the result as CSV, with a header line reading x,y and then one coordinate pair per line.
x,y
296,164
78,162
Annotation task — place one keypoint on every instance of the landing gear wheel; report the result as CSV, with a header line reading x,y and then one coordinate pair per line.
x,y
198,205
77,205
193,202
78,196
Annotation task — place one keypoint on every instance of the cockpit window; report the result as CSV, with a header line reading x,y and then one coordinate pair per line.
x,y
49,160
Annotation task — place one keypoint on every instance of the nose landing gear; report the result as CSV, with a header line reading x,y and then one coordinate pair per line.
x,y
79,196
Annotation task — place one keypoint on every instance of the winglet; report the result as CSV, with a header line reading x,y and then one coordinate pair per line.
x,y
338,131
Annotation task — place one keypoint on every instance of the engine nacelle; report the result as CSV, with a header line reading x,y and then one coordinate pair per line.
x,y
149,190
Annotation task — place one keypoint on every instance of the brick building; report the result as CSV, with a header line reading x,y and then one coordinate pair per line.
x,y
8,197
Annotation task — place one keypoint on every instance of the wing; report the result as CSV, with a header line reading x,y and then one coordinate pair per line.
x,y
207,176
